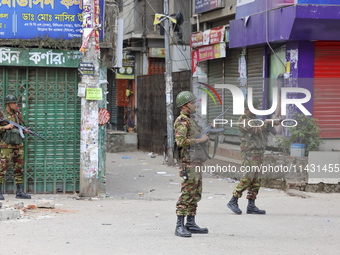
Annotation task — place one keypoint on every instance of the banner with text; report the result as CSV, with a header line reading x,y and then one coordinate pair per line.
x,y
39,57
25,19
212,51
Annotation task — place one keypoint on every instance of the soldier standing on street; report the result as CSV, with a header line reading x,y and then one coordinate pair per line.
x,y
191,155
11,146
253,143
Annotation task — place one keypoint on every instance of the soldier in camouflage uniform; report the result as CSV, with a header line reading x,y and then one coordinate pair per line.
x,y
253,143
190,156
11,147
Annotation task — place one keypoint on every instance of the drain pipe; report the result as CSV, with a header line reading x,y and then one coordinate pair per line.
x,y
267,40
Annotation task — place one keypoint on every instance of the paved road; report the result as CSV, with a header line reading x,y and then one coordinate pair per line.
x,y
128,223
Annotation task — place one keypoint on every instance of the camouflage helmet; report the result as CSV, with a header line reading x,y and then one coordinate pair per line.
x,y
10,99
184,97
256,103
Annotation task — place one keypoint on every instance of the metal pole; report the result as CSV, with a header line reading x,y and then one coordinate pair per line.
x,y
89,149
168,85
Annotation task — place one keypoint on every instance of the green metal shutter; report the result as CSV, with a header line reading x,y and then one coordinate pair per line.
x,y
50,107
231,76
215,76
255,72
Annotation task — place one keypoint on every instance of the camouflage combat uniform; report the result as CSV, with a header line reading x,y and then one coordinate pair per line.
x,y
253,144
10,152
190,157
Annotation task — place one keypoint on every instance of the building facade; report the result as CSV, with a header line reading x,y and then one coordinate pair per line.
x,y
40,54
274,44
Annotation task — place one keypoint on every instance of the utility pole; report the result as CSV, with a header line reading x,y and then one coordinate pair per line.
x,y
168,85
89,147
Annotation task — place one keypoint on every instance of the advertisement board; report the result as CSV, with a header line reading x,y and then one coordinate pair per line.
x,y
207,5
25,19
212,51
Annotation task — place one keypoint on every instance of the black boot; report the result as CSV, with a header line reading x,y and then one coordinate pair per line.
x,y
252,209
193,228
1,196
233,205
180,229
21,194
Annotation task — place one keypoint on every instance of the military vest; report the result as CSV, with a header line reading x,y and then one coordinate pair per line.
x,y
193,153
11,136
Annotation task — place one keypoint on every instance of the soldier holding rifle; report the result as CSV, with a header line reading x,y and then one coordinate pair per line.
x,y
11,146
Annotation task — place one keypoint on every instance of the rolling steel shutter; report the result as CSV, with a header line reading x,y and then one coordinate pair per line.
x,y
326,103
255,72
231,75
215,76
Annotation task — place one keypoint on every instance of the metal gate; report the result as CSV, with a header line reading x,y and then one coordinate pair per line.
x,y
151,108
50,107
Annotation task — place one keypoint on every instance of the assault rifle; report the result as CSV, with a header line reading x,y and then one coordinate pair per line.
x,y
271,129
22,129
209,128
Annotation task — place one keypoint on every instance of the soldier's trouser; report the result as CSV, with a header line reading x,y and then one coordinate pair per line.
x,y
251,180
191,192
17,157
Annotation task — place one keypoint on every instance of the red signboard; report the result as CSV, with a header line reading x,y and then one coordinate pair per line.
x,y
104,116
196,39
217,35
212,51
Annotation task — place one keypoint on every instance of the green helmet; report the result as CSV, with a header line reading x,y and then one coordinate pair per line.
x,y
10,99
256,103
184,97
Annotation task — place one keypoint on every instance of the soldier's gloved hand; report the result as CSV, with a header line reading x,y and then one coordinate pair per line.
x,y
9,126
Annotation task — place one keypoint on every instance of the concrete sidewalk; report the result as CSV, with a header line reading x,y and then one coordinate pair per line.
x,y
138,217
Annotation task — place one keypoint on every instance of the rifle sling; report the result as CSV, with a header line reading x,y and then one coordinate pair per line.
x,y
215,148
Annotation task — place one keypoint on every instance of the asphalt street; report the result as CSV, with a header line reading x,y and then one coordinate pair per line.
x,y
137,216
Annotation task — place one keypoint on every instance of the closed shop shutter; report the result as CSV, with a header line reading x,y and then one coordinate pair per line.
x,y
112,99
215,76
50,107
231,75
326,102
255,72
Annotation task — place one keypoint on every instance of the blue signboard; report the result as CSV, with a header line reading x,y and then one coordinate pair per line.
x,y
25,19
207,5
327,2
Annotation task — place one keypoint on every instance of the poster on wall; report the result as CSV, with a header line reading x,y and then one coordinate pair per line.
x,y
194,59
30,19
